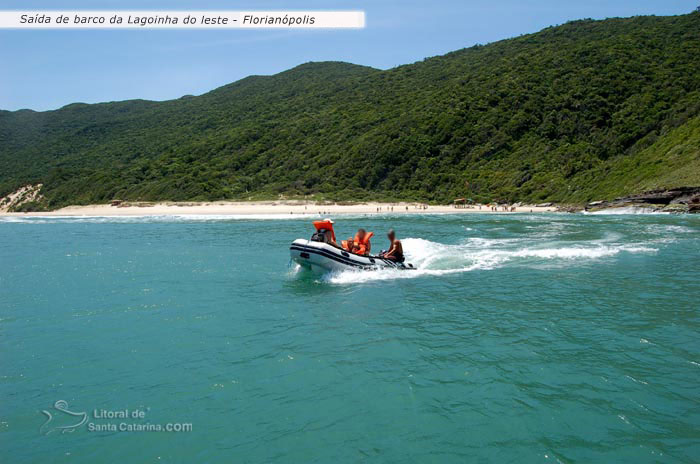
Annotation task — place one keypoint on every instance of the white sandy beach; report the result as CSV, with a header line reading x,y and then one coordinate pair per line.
x,y
269,207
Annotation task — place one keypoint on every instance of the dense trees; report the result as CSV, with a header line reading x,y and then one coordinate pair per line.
x,y
587,110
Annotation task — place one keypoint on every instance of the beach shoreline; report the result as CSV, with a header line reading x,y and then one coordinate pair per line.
x,y
290,207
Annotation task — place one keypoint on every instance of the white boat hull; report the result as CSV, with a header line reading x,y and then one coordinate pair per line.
x,y
323,257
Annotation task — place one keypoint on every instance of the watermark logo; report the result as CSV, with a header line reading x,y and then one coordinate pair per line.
x,y
60,408
62,420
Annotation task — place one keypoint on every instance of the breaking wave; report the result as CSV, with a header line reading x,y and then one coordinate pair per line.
x,y
129,219
627,210
178,218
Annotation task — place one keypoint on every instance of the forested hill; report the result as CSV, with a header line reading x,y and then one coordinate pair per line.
x,y
586,110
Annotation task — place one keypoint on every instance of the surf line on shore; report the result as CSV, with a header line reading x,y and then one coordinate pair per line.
x,y
291,208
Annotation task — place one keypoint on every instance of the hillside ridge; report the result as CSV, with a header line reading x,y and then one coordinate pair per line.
x,y
588,110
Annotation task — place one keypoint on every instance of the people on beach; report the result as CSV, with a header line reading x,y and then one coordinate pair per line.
x,y
395,252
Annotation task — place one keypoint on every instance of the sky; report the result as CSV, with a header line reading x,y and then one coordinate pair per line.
x,y
44,70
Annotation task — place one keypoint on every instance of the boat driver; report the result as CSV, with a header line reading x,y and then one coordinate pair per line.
x,y
395,252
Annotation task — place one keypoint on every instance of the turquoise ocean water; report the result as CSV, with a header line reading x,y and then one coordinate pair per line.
x,y
522,338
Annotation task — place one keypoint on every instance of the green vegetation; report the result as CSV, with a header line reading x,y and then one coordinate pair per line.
x,y
584,111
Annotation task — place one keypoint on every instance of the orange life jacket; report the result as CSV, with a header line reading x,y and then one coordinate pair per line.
x,y
325,225
348,244
363,245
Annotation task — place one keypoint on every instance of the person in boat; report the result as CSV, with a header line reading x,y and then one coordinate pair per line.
x,y
395,252
361,244
349,244
324,233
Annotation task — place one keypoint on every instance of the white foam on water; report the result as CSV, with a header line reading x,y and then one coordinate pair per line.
x,y
580,252
12,219
481,242
294,269
150,218
166,218
672,229
627,210
436,259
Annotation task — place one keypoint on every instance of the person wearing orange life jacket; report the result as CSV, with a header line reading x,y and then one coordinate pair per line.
x,y
362,243
324,232
359,245
349,245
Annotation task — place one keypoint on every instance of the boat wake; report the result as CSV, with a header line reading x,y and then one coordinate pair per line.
x,y
436,259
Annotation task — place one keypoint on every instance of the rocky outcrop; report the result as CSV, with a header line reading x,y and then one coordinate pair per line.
x,y
26,194
677,200
694,204
569,208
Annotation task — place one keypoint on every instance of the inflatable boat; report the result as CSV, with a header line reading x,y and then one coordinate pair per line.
x,y
324,257
321,252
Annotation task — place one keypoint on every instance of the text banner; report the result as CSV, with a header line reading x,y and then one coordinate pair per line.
x,y
180,19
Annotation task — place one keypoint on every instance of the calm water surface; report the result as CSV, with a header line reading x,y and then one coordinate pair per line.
x,y
522,338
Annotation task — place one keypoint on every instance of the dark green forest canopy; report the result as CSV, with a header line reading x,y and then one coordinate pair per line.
x,y
587,110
